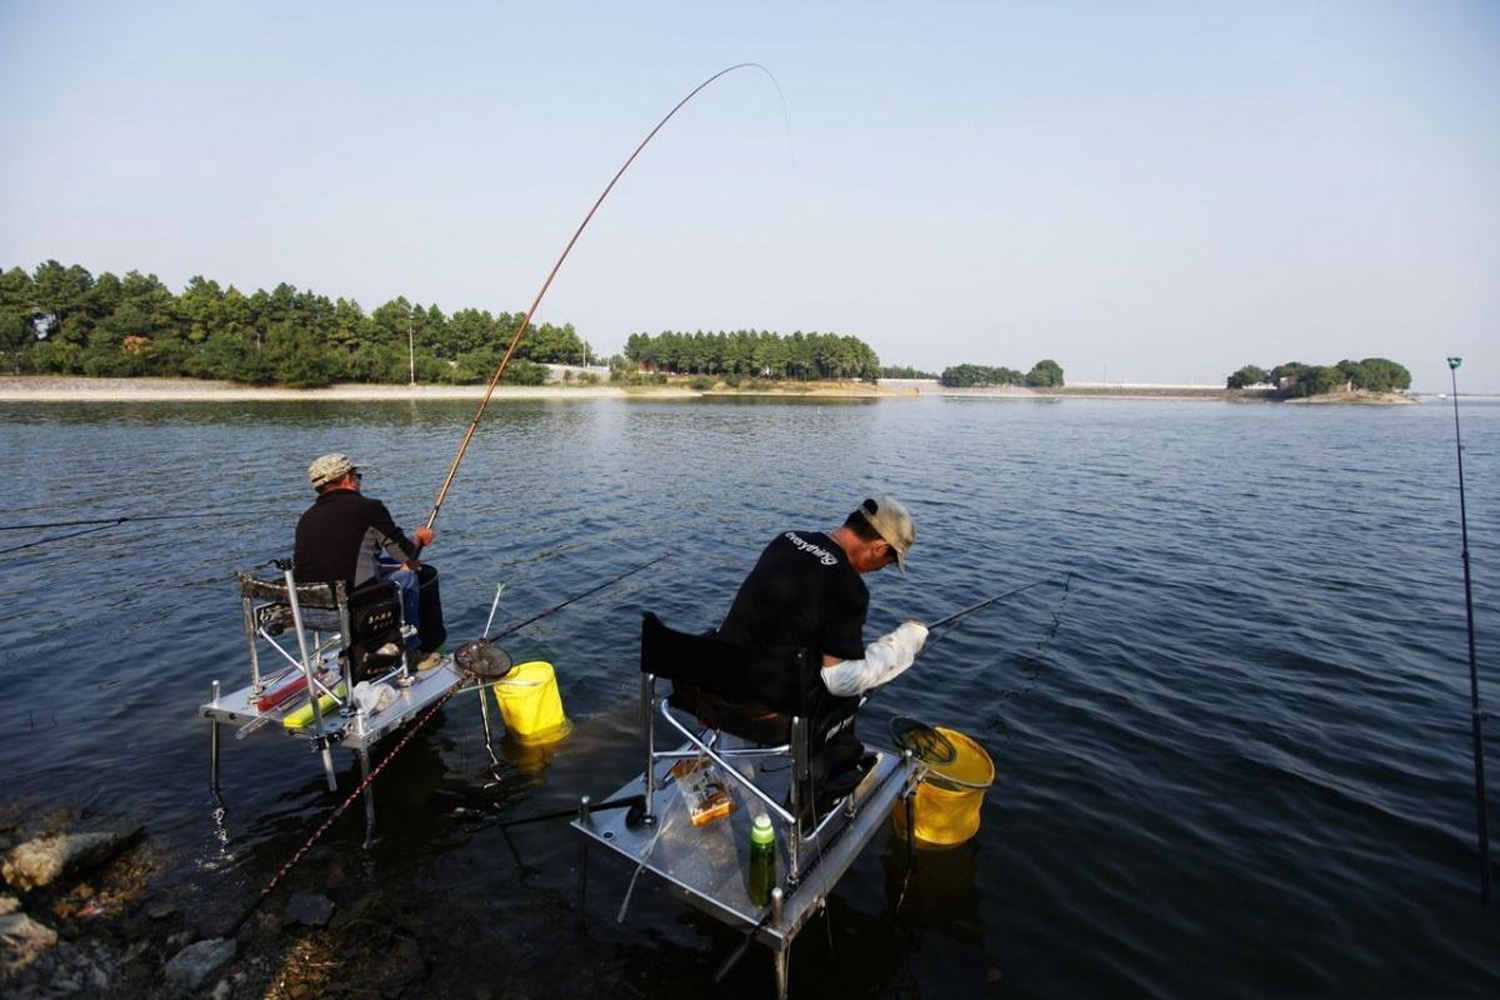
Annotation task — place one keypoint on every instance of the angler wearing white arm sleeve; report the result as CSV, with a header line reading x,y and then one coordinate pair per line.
x,y
885,659
806,591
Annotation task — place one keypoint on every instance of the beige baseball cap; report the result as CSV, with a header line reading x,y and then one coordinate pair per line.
x,y
328,468
891,521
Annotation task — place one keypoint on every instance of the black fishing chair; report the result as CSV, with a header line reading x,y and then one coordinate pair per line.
x,y
364,626
765,696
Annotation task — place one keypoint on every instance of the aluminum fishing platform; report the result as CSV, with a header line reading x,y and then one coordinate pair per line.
x,y
648,823
338,638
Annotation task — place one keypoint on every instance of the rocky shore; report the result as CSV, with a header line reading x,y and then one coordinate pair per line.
x,y
81,916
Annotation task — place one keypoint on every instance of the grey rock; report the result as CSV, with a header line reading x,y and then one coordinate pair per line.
x,y
221,990
160,911
312,909
42,861
180,940
195,963
22,941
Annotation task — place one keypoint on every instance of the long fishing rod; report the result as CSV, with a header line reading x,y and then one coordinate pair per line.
x,y
121,519
933,626
526,317
58,538
578,597
1477,718
105,523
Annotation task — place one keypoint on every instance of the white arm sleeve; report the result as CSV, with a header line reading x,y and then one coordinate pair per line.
x,y
885,660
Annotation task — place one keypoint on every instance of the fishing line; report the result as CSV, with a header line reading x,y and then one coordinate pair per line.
x,y
1031,673
527,316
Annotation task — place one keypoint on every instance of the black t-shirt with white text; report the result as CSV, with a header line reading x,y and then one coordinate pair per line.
x,y
802,592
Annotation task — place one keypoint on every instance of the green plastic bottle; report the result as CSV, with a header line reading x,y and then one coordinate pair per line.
x,y
762,860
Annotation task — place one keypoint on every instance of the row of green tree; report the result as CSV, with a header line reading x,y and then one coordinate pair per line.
x,y
64,320
1044,374
1297,379
755,352
905,371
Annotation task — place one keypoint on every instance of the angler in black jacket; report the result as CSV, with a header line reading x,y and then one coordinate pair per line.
x,y
347,536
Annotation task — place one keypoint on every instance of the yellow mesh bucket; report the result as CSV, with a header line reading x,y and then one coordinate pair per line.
x,y
948,800
530,703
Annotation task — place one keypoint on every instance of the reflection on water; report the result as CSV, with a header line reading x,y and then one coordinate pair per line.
x,y
1235,764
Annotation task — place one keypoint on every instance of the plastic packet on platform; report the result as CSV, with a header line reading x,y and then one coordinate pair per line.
x,y
373,699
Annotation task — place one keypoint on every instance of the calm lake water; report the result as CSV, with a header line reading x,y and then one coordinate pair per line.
x,y
1235,763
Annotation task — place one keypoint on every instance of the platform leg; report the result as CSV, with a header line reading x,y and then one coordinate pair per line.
x,y
213,758
364,774
327,754
583,858
911,834
780,957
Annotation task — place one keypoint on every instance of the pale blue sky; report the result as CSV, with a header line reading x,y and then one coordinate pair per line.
x,y
1161,190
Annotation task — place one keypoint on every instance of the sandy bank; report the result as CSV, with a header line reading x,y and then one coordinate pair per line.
x,y
65,389
42,388
1356,398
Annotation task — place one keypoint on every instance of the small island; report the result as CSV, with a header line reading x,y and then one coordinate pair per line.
x,y
1373,380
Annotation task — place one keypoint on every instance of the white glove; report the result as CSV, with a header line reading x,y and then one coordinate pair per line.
x,y
885,659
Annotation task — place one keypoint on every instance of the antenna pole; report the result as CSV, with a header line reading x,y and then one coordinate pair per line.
x,y
1477,717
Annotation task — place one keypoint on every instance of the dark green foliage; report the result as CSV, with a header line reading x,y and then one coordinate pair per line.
x,y
63,320
972,376
522,372
1291,369
1246,377
1371,375
756,352
1377,375
904,371
1045,374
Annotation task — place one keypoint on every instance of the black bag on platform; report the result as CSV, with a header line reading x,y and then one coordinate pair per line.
x,y
374,624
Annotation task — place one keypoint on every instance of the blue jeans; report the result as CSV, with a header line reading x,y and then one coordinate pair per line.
x,y
411,595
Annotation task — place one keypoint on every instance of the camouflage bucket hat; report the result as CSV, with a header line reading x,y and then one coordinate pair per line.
x,y
329,468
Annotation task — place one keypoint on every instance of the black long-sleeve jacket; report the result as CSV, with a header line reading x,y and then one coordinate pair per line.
x,y
341,536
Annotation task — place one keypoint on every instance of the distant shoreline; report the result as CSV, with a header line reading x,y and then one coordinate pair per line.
x,y
73,389
1180,393
70,389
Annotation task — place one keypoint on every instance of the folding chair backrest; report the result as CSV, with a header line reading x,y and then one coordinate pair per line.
x,y
323,596
774,678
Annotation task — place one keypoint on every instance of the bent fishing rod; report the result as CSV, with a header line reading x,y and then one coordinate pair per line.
x,y
527,316
1476,716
